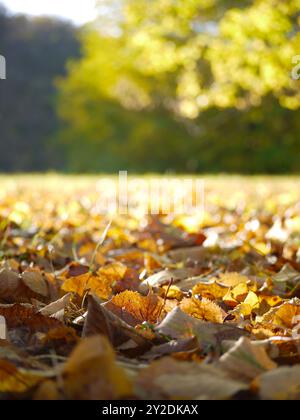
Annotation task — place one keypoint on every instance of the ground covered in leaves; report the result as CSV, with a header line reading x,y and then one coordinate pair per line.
x,y
97,306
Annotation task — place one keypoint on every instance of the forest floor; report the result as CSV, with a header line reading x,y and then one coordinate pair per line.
x,y
100,303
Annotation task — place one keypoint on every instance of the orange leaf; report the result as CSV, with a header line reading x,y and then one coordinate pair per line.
x,y
203,309
100,283
144,308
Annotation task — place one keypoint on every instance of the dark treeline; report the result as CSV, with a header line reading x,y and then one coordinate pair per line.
x,y
36,51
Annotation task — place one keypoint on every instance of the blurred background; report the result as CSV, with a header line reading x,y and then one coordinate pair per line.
x,y
199,86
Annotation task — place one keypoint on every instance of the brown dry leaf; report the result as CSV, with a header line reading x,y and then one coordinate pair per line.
x,y
280,384
178,324
101,320
196,253
203,309
91,372
184,345
10,285
54,308
24,316
100,283
61,340
246,360
260,332
170,379
76,269
35,281
144,308
285,316
22,288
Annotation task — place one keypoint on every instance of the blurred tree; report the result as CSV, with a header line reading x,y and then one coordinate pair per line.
x,y
36,51
224,53
197,85
110,122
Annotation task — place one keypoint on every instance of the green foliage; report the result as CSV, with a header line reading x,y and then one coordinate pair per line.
x,y
187,85
233,56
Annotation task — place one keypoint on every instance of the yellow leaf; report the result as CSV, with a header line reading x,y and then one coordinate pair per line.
x,y
203,309
13,379
100,283
285,316
232,279
143,308
212,290
236,295
91,373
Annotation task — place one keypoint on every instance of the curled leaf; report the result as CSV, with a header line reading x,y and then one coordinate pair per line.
x,y
286,315
246,360
203,309
101,320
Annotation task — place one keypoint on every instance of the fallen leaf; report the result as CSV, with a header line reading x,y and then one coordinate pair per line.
x,y
171,379
91,372
172,347
203,309
144,308
280,384
56,307
164,277
232,279
246,360
178,324
23,323
250,304
100,283
286,280
13,379
236,295
100,319
210,290
286,315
